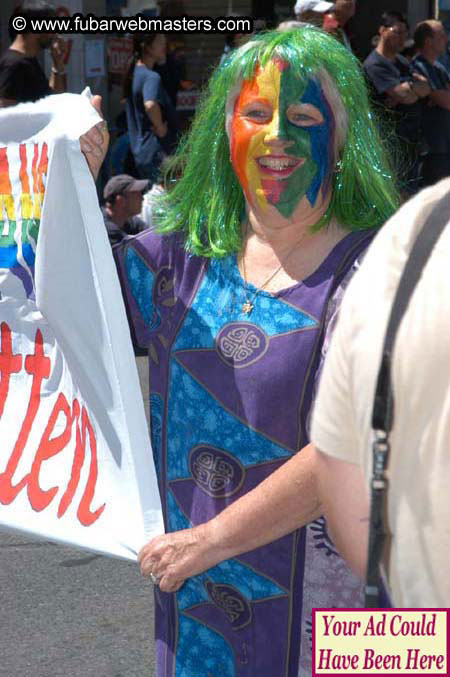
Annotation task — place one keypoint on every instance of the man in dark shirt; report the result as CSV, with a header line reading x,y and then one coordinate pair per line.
x,y
21,77
123,201
431,41
399,90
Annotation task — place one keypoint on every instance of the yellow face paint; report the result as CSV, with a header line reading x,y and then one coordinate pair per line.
x,y
251,125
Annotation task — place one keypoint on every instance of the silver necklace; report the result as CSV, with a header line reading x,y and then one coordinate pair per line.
x,y
249,303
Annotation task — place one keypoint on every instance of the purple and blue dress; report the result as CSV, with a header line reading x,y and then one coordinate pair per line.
x,y
230,397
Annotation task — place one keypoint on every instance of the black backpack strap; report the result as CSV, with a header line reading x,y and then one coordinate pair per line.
x,y
383,407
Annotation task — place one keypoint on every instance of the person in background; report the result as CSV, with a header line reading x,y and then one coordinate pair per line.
x,y
418,499
151,117
332,17
166,181
431,42
121,160
150,202
173,70
123,201
313,11
21,76
343,12
399,90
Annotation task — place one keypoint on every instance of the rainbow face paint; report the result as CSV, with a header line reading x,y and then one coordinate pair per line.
x,y
282,139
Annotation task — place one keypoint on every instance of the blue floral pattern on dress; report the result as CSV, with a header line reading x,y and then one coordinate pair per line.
x,y
140,279
203,652
156,414
250,584
220,429
218,302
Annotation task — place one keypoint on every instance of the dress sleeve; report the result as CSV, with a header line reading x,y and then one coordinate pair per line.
x,y
333,423
139,259
331,318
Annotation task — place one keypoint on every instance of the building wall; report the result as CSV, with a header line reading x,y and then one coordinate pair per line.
x,y
204,51
419,10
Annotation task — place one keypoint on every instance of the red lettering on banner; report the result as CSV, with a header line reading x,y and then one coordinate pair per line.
x,y
39,499
9,364
78,460
84,513
38,365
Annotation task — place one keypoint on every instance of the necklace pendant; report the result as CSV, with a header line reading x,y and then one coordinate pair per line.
x,y
247,307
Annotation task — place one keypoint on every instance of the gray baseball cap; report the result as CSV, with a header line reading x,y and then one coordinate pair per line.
x,y
123,183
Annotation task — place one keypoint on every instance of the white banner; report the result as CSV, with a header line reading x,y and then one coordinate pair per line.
x,y
75,456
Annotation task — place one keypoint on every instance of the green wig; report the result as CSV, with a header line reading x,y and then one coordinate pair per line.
x,y
207,203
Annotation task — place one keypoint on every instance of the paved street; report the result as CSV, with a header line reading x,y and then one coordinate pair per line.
x,y
67,613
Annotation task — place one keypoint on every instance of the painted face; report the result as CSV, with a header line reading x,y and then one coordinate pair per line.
x,y
282,139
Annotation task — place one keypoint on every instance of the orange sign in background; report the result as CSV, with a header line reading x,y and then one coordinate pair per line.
x,y
120,52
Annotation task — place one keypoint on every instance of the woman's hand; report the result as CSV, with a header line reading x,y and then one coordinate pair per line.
x,y
173,557
94,143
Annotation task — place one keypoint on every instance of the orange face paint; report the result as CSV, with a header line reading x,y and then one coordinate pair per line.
x,y
247,129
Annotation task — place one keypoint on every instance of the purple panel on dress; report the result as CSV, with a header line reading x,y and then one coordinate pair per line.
x,y
199,505
244,626
234,388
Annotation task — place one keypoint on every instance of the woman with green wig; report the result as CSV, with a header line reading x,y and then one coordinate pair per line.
x,y
284,183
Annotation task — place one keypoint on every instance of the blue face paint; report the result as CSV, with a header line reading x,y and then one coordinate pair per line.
x,y
322,140
311,137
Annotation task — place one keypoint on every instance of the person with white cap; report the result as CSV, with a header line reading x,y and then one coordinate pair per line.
x,y
332,17
313,11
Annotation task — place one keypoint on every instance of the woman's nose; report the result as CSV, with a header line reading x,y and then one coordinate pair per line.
x,y
277,133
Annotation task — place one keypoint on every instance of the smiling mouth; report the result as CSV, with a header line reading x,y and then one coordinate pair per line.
x,y
279,166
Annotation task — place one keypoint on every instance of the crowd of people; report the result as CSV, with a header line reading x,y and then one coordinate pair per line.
x,y
260,376
408,80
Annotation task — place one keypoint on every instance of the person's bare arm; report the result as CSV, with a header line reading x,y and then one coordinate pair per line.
x,y
57,81
153,111
441,97
420,86
283,502
402,93
345,502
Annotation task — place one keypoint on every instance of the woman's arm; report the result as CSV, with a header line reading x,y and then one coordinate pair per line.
x,y
153,111
283,502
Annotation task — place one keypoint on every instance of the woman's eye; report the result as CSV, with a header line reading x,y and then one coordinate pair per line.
x,y
305,118
256,114
301,117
